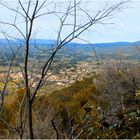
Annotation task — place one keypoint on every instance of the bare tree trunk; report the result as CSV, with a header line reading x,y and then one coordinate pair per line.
x,y
30,120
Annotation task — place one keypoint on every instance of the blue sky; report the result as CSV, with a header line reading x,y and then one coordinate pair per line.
x,y
126,27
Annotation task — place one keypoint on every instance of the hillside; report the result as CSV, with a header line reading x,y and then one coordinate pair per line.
x,y
74,51
100,47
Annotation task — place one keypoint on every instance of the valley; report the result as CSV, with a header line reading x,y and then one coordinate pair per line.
x,y
83,82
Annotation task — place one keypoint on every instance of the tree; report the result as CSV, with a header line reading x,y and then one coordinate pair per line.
x,y
28,12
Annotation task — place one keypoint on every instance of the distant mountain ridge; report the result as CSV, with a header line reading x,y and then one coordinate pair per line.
x,y
49,41
100,47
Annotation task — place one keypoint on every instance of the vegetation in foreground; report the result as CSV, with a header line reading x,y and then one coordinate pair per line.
x,y
88,109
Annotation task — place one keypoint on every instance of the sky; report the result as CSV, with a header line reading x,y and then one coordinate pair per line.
x,y
125,27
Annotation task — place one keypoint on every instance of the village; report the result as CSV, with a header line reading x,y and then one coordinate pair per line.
x,y
65,76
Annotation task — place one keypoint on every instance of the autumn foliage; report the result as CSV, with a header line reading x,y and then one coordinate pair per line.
x,y
73,112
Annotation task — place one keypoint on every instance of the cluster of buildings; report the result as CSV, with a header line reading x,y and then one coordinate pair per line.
x,y
67,76
64,77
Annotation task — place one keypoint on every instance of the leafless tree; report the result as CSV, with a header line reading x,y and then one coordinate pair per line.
x,y
29,12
